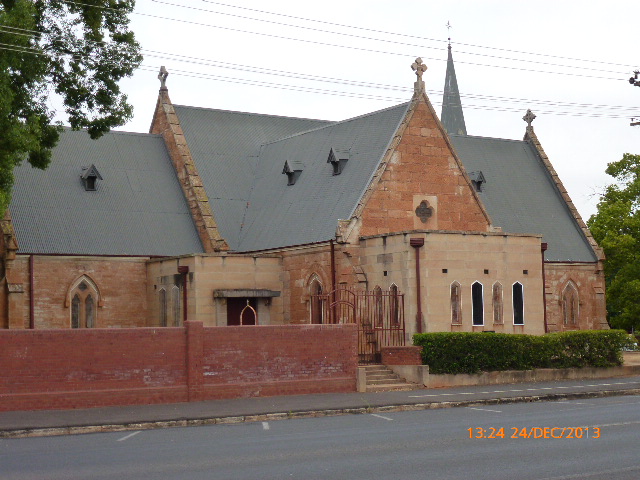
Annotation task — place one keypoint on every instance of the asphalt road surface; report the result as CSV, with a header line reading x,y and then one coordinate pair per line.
x,y
592,439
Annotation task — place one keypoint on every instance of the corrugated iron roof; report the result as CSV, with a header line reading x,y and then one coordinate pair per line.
x,y
307,212
225,146
521,196
138,207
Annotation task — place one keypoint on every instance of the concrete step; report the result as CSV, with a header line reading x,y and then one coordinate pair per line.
x,y
392,387
380,378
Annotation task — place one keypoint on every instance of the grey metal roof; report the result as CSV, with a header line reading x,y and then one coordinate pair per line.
x,y
138,207
307,212
521,196
452,116
225,146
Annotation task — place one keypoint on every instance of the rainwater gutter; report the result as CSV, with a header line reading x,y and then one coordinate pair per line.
x,y
543,248
184,271
333,277
32,315
417,243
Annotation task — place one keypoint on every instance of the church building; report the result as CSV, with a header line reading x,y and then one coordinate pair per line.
x,y
396,220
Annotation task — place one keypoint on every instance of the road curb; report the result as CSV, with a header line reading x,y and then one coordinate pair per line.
x,y
269,417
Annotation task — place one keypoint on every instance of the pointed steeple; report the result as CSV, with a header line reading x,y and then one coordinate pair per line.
x,y
452,117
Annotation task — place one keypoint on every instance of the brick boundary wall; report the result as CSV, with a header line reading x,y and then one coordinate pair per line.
x,y
408,355
62,369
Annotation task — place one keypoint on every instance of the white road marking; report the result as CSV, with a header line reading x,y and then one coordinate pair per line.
x,y
265,425
382,417
520,390
485,410
126,437
615,424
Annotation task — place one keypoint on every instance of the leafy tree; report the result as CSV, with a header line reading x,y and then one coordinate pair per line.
x,y
77,49
616,227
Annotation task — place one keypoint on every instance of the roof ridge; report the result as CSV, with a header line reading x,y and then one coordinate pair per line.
x,y
118,132
238,112
488,138
339,122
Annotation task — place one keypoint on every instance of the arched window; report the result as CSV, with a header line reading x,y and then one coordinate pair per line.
x,y
496,300
456,304
175,306
477,304
518,303
570,304
162,304
84,299
315,290
378,313
394,304
75,312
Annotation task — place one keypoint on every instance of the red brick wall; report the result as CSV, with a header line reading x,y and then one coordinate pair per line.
x,y
408,355
279,360
44,369
48,369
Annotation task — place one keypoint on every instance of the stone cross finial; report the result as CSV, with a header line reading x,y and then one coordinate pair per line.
x,y
529,117
419,68
162,76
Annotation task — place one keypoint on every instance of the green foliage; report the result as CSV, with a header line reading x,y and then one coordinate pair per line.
x,y
616,227
482,352
77,49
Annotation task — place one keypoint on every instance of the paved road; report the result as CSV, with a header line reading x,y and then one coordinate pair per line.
x,y
428,444
246,409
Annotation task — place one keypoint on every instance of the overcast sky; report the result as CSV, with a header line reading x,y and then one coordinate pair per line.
x,y
568,61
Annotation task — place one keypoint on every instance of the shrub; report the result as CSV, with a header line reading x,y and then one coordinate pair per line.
x,y
446,352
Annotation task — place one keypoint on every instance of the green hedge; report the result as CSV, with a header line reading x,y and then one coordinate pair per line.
x,y
484,352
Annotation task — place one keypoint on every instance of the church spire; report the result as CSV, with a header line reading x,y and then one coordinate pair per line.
x,y
452,117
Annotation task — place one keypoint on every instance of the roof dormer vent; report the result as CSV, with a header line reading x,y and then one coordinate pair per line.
x,y
293,169
338,158
477,180
89,177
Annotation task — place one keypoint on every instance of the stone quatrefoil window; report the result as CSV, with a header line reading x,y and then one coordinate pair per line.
x,y
424,211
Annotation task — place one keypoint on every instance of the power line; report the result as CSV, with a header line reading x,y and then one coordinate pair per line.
x,y
406,35
298,88
351,47
371,38
351,83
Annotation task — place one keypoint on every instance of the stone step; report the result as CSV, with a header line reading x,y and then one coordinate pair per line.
x,y
392,387
381,378
384,378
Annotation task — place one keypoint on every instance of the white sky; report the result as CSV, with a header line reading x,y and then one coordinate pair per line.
x,y
194,36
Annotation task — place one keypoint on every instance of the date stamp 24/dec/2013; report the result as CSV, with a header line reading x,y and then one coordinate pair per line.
x,y
534,432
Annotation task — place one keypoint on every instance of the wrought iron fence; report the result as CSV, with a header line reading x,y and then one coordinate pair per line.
x,y
379,315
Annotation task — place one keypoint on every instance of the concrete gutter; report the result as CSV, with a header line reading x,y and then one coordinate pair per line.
x,y
74,430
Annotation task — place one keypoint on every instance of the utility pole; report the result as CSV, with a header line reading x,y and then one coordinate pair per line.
x,y
636,83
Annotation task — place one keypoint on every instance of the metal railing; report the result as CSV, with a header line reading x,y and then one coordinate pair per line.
x,y
379,315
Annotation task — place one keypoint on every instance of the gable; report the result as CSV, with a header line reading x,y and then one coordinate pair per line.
x,y
423,185
136,209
